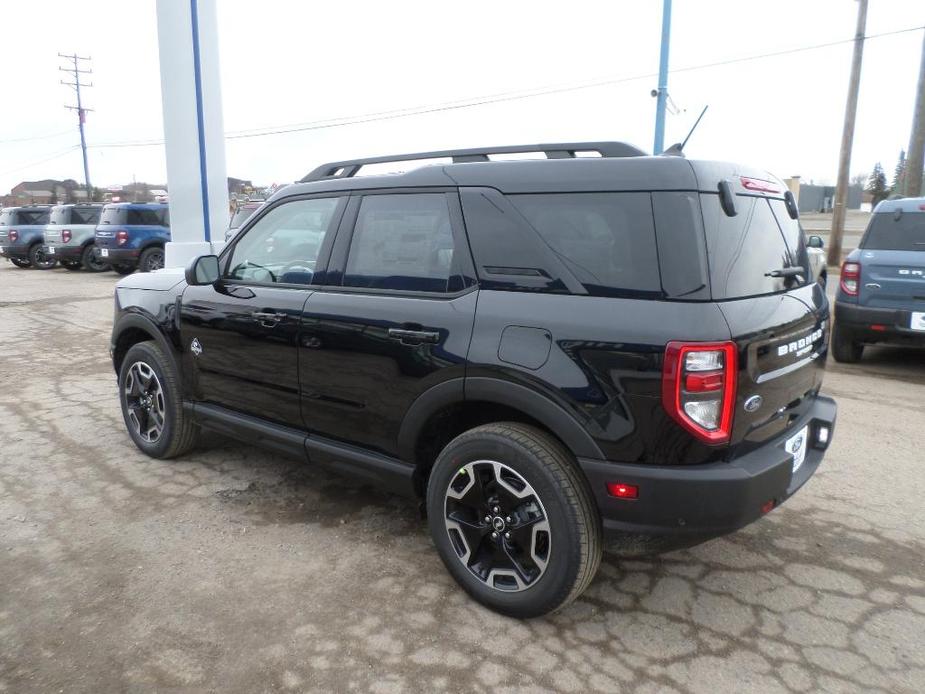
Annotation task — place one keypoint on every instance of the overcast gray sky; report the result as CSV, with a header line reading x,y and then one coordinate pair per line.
x,y
289,62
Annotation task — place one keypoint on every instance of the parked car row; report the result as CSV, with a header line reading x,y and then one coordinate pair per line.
x,y
90,236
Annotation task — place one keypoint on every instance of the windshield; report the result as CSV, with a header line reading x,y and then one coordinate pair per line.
x,y
887,233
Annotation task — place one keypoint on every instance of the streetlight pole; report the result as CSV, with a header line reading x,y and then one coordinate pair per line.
x,y
661,93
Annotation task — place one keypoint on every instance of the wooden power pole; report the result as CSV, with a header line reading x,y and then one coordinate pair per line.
x,y
847,139
915,162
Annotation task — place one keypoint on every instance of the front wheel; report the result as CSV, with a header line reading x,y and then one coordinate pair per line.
x,y
39,259
513,519
149,392
91,259
845,349
122,268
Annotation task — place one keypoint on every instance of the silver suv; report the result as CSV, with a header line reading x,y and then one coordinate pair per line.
x,y
69,236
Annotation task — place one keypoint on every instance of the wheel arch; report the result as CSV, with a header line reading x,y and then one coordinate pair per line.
x,y
132,328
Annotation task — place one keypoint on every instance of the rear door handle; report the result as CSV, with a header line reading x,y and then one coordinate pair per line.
x,y
414,337
267,318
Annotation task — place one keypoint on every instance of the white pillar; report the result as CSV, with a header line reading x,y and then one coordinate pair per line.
x,y
187,35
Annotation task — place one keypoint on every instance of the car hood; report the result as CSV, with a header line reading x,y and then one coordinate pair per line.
x,y
162,280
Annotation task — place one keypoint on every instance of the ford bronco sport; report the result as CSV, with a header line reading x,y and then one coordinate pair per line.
x,y
132,235
545,352
881,295
21,240
69,236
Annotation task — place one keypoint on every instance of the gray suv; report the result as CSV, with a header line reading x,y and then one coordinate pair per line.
x,y
69,236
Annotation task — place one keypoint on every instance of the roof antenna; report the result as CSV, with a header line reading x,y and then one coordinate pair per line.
x,y
677,149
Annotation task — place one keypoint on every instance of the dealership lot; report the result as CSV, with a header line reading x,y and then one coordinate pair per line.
x,y
233,569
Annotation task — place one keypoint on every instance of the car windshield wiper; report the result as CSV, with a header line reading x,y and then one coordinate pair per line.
x,y
786,272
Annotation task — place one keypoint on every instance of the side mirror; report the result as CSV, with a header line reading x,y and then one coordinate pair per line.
x,y
815,242
202,271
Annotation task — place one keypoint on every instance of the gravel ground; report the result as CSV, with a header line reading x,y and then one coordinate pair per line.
x,y
235,570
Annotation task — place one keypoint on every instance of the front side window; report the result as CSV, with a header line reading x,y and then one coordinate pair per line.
x,y
402,242
282,246
607,240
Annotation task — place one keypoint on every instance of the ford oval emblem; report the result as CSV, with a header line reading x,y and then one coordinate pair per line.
x,y
753,403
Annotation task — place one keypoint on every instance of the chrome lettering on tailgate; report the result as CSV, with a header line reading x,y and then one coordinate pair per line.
x,y
917,273
799,347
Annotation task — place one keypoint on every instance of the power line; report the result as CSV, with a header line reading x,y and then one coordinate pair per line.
x,y
49,136
498,97
57,155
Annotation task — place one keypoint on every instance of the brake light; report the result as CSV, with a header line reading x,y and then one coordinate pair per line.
x,y
14,235
121,237
699,387
66,235
850,276
758,185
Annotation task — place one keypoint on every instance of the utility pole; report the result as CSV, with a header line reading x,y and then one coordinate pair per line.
x,y
661,93
847,139
915,162
76,72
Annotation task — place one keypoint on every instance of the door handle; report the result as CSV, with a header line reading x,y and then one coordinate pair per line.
x,y
414,337
267,318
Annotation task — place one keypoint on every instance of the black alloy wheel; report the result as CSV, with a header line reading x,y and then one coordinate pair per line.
x,y
151,259
39,259
92,260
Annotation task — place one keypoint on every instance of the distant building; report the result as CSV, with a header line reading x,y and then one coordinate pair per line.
x,y
813,198
45,192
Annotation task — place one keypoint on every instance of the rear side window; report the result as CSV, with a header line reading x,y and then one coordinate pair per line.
x,y
142,216
887,233
84,215
402,242
742,249
33,217
606,240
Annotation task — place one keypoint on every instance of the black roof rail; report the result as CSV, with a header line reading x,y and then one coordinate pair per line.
x,y
558,150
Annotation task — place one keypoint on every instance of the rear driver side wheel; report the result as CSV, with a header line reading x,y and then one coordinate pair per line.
x,y
151,259
844,348
41,260
91,259
513,519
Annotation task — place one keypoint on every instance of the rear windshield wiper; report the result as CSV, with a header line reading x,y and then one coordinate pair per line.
x,y
786,272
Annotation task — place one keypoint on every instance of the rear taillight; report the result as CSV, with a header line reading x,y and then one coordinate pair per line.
x,y
850,276
699,387
66,235
121,237
14,235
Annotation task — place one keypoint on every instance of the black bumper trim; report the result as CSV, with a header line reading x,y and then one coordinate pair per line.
x,y
858,319
127,256
712,499
69,252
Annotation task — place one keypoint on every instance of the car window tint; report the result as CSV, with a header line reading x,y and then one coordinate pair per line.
x,y
283,245
60,215
402,242
33,217
794,237
84,215
6,217
891,232
144,216
607,240
744,248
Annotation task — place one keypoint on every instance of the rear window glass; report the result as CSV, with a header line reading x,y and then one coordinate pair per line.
x,y
134,215
6,217
60,215
793,237
85,215
607,240
113,215
32,217
744,248
886,233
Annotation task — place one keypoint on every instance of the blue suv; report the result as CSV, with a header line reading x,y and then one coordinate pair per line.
x,y
881,295
132,235
22,236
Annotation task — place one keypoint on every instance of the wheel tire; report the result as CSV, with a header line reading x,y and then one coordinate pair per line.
x,y
73,265
122,268
39,260
823,280
178,434
21,262
151,259
562,496
91,259
844,349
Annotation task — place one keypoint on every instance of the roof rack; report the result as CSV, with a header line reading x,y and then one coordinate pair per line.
x,y
558,150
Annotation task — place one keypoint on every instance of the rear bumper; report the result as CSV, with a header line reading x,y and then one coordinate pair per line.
x,y
63,252
19,251
895,324
712,499
121,256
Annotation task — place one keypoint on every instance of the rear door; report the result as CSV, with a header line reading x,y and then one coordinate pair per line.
x,y
394,321
779,324
893,264
240,335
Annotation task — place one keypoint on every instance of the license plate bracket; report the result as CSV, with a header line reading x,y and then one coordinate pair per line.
x,y
796,446
917,320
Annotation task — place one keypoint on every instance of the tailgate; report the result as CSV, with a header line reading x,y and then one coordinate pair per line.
x,y
782,341
892,279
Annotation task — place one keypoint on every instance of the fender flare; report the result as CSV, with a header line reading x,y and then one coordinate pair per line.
x,y
141,322
484,389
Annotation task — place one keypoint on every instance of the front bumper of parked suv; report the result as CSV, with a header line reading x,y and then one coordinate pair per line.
x,y
716,498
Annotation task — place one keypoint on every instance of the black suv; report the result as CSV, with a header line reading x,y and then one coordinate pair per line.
x,y
544,351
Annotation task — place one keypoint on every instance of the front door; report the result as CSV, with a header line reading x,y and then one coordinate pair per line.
x,y
240,336
396,322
